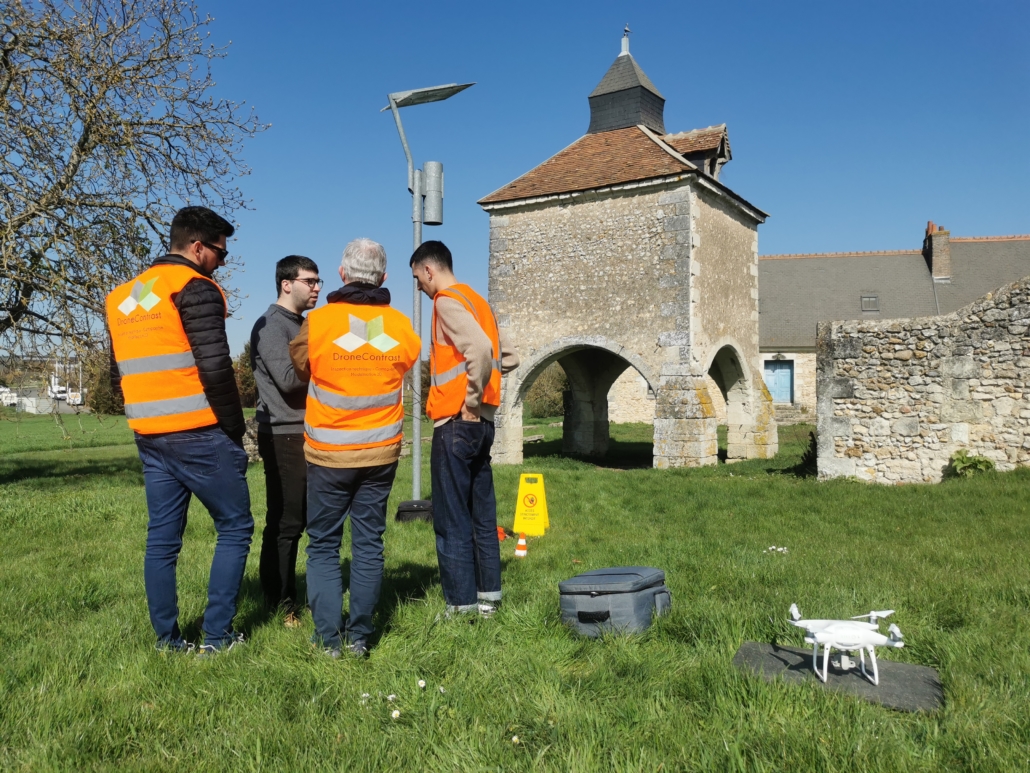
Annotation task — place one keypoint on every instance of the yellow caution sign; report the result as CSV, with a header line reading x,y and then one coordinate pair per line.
x,y
531,508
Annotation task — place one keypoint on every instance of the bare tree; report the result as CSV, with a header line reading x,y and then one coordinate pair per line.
x,y
108,124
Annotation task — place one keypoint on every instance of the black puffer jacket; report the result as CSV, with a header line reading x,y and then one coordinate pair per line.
x,y
202,311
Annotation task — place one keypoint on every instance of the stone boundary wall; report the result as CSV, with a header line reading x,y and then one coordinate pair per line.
x,y
896,398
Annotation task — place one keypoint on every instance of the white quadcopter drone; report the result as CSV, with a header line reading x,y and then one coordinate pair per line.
x,y
847,636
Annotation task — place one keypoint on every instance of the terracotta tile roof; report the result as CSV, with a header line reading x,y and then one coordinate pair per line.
x,y
593,161
698,139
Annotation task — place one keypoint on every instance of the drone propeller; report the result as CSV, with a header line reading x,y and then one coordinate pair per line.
x,y
794,614
895,632
874,616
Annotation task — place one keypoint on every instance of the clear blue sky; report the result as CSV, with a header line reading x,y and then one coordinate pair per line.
x,y
852,124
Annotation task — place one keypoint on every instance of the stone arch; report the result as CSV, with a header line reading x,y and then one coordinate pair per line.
x,y
592,364
749,415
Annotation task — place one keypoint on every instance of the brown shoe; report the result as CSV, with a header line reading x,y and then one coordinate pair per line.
x,y
291,620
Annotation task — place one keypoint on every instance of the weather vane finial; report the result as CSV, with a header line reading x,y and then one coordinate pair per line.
x,y
625,40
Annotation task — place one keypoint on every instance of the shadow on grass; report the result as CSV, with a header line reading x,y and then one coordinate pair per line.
x,y
406,582
792,442
17,470
621,455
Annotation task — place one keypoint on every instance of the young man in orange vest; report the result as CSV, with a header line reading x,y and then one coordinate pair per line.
x,y
168,337
469,354
354,353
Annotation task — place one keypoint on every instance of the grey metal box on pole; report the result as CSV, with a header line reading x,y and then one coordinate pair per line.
x,y
432,213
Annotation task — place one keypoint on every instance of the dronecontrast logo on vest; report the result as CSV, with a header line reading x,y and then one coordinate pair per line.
x,y
142,295
361,332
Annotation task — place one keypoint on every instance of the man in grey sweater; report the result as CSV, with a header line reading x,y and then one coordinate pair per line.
x,y
280,417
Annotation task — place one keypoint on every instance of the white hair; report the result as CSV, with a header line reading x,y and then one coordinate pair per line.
x,y
364,261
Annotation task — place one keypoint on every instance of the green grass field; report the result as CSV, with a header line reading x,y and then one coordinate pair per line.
x,y
81,687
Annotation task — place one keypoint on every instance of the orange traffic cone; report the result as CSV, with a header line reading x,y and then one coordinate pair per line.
x,y
520,549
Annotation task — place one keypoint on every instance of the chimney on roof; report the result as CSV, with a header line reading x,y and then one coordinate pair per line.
x,y
626,97
937,251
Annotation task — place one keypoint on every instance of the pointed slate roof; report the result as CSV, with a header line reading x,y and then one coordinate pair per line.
x,y
624,74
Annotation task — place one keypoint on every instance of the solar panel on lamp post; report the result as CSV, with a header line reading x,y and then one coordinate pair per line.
x,y
423,184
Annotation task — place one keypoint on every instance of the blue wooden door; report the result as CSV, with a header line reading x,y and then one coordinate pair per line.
x,y
779,379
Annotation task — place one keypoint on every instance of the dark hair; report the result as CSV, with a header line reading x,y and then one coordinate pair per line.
x,y
197,224
432,252
289,267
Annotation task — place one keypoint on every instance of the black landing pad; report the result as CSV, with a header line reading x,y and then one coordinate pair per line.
x,y
903,686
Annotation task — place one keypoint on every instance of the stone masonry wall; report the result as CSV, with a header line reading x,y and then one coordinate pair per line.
x,y
725,265
630,400
896,398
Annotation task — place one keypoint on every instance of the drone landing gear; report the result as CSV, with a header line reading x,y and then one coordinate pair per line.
x,y
874,677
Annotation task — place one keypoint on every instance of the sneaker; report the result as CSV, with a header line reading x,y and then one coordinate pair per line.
x,y
488,608
178,645
358,648
210,650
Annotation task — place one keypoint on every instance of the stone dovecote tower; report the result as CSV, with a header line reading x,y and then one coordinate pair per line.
x,y
625,251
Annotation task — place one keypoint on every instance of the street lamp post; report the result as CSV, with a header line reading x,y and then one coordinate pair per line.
x,y
426,187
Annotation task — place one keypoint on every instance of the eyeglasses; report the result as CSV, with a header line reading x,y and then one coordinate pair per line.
x,y
314,284
221,252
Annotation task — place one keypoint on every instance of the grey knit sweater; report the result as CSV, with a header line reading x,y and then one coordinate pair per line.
x,y
281,395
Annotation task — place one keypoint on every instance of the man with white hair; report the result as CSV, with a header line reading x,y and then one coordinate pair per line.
x,y
353,352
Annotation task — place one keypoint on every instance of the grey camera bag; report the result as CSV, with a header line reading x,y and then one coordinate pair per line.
x,y
620,599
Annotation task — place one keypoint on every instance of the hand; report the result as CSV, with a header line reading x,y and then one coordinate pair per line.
x,y
469,414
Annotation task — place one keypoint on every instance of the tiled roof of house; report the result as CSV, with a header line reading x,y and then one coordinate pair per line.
x,y
624,73
698,139
594,161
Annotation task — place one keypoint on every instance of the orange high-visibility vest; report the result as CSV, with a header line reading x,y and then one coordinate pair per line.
x,y
160,381
358,356
447,365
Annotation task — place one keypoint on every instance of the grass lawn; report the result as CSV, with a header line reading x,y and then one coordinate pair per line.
x,y
81,686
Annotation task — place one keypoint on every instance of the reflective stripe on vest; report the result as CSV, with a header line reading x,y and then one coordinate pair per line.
x,y
169,407
353,437
347,403
156,363
439,379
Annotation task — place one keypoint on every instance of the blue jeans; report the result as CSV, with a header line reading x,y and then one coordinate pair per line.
x,y
207,464
465,513
333,493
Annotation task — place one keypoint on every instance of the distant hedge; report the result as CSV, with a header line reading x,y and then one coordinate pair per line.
x,y
545,397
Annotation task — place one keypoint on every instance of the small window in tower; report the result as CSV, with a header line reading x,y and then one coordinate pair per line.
x,y
870,303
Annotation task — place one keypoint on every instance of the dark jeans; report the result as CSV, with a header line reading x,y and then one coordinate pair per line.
x,y
332,494
465,513
286,475
207,464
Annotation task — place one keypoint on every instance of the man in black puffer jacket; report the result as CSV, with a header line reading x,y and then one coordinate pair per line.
x,y
172,363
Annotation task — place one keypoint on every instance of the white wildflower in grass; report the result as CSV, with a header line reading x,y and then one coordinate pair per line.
x,y
421,684
390,697
515,739
442,690
395,714
365,695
